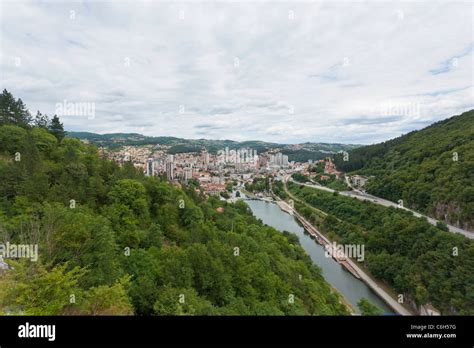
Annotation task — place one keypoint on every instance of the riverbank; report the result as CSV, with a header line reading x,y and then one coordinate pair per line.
x,y
374,284
349,287
386,203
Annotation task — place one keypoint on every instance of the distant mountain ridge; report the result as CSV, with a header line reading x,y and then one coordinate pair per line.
x,y
296,152
431,170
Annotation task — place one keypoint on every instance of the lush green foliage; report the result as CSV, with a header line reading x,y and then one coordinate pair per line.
x,y
414,257
300,177
367,308
334,183
182,148
34,289
278,189
13,111
331,181
120,243
258,185
431,170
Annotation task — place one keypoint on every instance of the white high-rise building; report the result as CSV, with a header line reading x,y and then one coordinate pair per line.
x,y
188,173
170,168
150,167
205,155
271,159
278,160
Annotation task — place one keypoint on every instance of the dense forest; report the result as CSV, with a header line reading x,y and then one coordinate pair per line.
x,y
431,170
303,155
114,242
419,260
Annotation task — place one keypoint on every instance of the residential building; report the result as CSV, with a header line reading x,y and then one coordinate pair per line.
x,y
358,180
150,167
170,168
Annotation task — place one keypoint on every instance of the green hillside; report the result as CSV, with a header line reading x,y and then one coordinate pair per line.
x,y
417,259
431,170
114,242
302,153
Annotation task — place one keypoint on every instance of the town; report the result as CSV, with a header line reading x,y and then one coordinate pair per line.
x,y
216,172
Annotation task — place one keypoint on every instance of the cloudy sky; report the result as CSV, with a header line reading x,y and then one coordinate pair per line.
x,y
324,71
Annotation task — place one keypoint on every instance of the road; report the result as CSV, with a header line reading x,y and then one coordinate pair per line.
x,y
397,307
366,197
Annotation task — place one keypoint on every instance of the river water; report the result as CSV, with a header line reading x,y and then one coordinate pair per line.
x,y
350,287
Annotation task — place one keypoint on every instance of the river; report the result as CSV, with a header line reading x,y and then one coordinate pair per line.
x,y
350,287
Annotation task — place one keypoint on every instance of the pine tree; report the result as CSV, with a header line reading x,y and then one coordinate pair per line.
x,y
13,111
56,128
22,117
41,120
7,103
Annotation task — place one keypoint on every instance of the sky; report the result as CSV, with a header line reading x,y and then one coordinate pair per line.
x,y
289,72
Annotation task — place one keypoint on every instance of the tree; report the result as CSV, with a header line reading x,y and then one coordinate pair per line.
x,y
368,308
41,120
44,141
442,226
7,108
175,301
430,169
107,233
13,111
132,194
33,289
189,213
36,289
107,300
12,139
86,240
56,128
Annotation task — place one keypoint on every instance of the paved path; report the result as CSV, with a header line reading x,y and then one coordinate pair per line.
x,y
381,292
389,300
366,197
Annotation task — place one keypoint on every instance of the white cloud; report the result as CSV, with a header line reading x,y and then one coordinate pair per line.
x,y
284,72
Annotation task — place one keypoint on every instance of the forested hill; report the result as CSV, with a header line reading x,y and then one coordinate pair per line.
x,y
296,152
431,170
114,242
